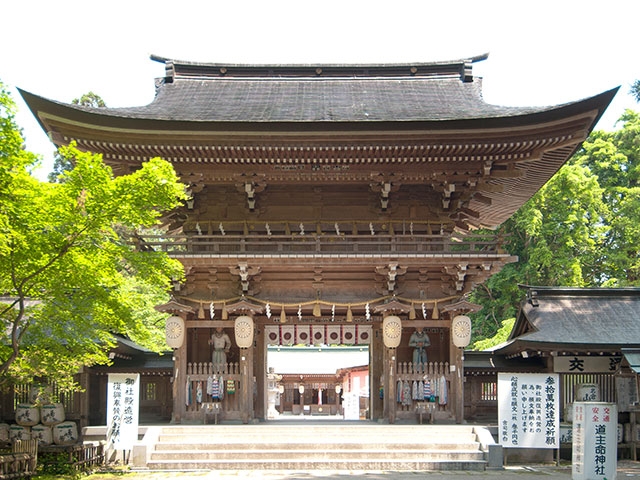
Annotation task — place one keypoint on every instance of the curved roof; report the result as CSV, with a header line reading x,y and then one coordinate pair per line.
x,y
423,124
576,319
212,92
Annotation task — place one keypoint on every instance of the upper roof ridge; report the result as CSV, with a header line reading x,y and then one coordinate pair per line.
x,y
189,69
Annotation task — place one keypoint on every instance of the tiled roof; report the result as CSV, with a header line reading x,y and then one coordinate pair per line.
x,y
280,93
574,318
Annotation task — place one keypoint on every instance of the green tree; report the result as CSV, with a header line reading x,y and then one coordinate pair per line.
x,y
500,337
615,159
579,230
69,275
61,164
90,99
635,90
557,236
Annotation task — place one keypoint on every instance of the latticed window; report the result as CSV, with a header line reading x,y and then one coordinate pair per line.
x,y
489,391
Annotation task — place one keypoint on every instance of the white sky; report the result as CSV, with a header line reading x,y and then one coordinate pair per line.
x,y
315,360
540,53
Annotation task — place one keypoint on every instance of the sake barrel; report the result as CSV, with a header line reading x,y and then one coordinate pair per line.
x,y
587,392
19,432
65,433
52,413
27,415
42,433
4,432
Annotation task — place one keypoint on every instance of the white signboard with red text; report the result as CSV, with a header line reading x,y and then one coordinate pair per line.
x,y
595,436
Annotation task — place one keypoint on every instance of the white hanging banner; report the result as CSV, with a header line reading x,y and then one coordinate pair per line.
x,y
287,335
303,334
349,334
364,334
272,334
333,334
529,410
317,334
123,399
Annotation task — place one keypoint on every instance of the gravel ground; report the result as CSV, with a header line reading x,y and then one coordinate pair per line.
x,y
627,469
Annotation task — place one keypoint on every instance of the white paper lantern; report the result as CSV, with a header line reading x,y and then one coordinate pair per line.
x,y
392,331
174,331
461,331
244,331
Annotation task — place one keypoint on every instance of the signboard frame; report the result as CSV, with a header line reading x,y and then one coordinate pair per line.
x,y
123,402
529,410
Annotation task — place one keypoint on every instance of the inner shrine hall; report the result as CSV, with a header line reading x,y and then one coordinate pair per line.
x,y
328,205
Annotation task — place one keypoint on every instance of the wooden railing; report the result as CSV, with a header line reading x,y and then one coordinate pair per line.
x,y
433,372
198,374
21,462
80,457
324,244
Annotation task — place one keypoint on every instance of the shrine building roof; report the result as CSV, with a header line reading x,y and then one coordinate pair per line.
x,y
414,125
576,320
213,92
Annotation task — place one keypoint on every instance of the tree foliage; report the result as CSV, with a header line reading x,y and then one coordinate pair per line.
x,y
60,163
580,229
70,277
635,90
500,337
90,99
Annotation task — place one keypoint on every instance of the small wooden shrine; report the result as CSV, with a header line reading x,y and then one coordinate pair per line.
x,y
329,204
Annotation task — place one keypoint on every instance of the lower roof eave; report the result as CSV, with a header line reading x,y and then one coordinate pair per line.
x,y
561,349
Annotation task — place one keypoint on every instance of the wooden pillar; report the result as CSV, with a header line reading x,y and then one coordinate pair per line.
x,y
458,381
390,385
377,364
260,371
179,379
246,384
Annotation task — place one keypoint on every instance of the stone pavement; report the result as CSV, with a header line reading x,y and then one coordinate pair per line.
x,y
627,469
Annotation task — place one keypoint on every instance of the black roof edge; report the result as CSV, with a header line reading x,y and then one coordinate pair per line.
x,y
549,291
189,69
472,59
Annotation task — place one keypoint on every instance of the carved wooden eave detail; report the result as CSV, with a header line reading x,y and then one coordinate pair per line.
x,y
173,306
249,186
244,307
246,273
194,184
390,272
463,306
392,307
384,186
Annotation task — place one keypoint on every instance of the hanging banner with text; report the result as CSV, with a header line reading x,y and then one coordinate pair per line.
x,y
529,410
122,410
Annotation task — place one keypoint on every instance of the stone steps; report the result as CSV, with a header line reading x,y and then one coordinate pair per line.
x,y
332,446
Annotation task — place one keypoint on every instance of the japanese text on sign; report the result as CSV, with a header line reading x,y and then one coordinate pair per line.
x,y
594,451
528,410
122,410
